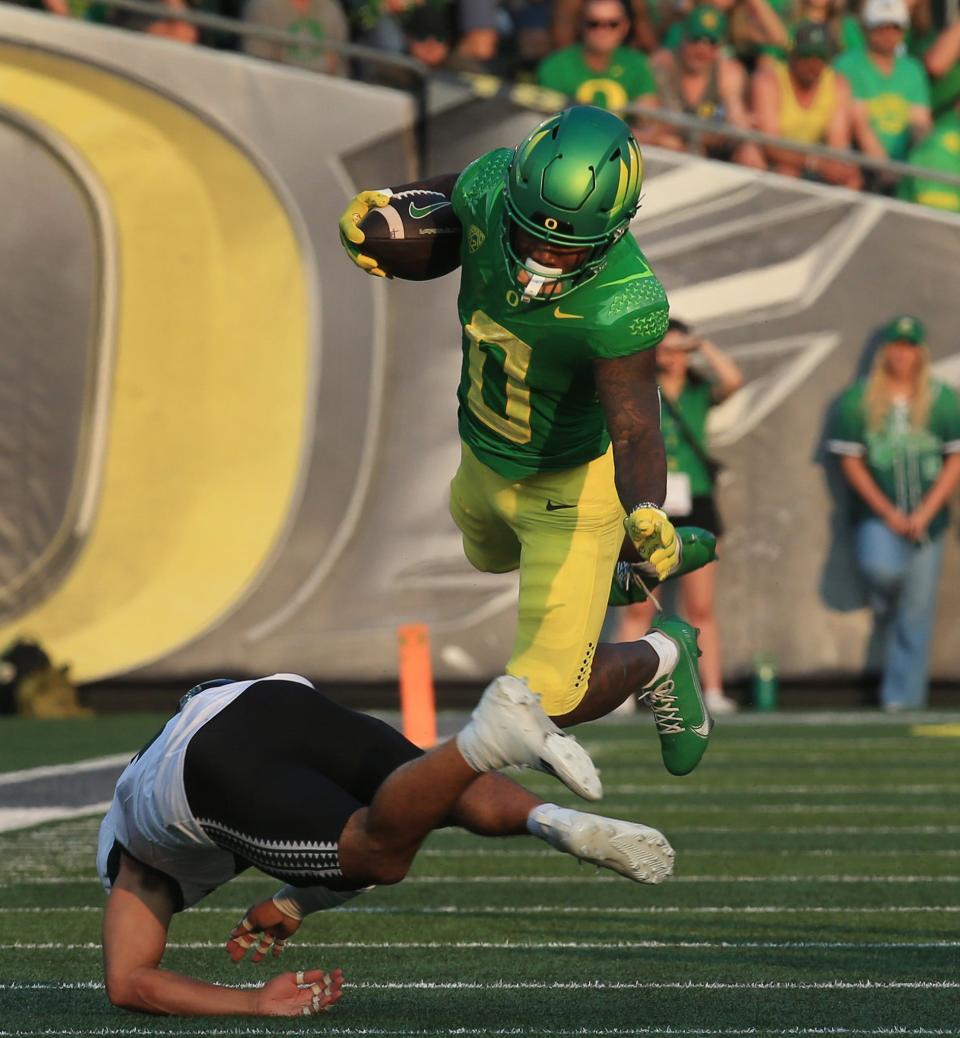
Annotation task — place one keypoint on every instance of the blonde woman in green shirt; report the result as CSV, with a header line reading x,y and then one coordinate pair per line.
x,y
897,436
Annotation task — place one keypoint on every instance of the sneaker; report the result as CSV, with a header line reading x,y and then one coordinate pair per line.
x,y
697,548
635,851
720,705
626,709
682,719
508,727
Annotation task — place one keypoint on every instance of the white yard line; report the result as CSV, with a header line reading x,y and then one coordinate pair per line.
x,y
570,985
498,852
95,946
12,818
453,910
534,879
10,778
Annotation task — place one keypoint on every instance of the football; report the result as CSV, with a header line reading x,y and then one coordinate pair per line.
x,y
416,237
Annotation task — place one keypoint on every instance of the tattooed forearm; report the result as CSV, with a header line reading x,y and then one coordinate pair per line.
x,y
627,388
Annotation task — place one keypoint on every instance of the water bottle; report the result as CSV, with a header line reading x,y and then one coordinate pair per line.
x,y
765,684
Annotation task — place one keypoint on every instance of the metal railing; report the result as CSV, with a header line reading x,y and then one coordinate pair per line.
x,y
529,95
525,95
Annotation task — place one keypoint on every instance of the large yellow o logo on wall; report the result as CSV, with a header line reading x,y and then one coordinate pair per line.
x,y
207,391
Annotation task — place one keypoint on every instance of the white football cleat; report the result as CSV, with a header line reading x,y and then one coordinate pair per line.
x,y
509,727
720,705
635,851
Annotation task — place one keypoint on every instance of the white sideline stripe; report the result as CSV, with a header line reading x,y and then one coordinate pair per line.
x,y
544,909
12,818
567,985
811,878
10,778
513,945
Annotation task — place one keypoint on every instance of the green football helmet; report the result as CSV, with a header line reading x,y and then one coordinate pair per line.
x,y
574,182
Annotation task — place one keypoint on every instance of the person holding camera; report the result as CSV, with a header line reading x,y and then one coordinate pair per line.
x,y
686,399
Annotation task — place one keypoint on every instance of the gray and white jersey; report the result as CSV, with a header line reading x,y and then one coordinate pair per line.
x,y
150,815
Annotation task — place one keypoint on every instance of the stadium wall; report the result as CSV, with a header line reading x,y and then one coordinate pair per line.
x,y
223,450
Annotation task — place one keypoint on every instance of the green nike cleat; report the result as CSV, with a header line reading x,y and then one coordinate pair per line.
x,y
682,719
697,548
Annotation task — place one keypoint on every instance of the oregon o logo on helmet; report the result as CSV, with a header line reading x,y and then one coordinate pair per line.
x,y
513,297
575,182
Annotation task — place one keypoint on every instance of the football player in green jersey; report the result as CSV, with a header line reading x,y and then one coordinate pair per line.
x,y
560,414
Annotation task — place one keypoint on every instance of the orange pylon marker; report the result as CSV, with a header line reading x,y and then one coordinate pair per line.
x,y
417,701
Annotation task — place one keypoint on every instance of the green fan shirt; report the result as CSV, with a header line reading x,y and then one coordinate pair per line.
x,y
528,401
627,77
888,98
940,150
905,463
945,91
693,405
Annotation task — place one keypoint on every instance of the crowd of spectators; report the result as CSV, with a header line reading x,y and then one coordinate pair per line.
x,y
882,79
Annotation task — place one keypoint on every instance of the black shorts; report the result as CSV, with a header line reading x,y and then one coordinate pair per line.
x,y
703,513
275,775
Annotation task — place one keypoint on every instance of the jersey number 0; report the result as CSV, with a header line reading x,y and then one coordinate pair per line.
x,y
499,395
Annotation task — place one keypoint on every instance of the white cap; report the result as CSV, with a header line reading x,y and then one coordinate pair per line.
x,y
885,12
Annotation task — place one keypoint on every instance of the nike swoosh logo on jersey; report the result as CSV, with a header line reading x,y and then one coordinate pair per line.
x,y
559,313
551,507
418,214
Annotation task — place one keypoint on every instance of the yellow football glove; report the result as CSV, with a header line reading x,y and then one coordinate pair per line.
x,y
654,537
350,234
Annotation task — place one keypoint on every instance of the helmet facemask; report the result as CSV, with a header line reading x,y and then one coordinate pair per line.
x,y
538,280
573,184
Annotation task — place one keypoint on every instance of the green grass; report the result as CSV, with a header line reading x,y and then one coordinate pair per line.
x,y
26,742
817,892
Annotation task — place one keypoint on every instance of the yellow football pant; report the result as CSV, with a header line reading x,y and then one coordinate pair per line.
x,y
563,530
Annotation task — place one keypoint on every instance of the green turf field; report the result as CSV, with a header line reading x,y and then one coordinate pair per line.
x,y
817,892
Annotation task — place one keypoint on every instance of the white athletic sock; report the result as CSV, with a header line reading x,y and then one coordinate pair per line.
x,y
666,651
546,819
473,750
